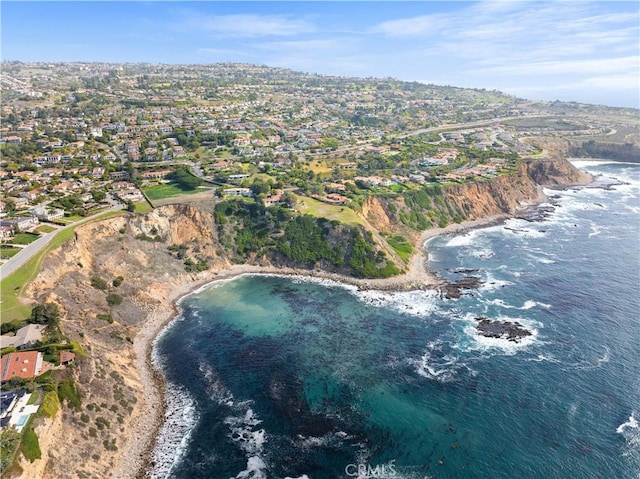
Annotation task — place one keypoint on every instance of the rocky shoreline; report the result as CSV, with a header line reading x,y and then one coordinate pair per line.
x,y
141,446
156,288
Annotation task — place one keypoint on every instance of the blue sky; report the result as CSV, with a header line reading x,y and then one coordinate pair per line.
x,y
548,50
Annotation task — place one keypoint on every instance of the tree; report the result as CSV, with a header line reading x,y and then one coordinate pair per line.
x,y
260,186
46,313
185,179
98,195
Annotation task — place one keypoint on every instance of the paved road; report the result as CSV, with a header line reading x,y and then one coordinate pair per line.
x,y
32,249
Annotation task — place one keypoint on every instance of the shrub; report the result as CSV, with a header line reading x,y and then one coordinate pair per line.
x,y
67,390
102,423
118,281
105,317
99,283
114,299
50,405
9,439
29,446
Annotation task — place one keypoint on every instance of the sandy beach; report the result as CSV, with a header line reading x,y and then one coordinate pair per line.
x,y
147,421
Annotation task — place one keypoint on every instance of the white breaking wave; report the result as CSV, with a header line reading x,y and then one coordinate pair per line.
x,y
466,239
630,424
175,434
215,387
491,283
417,303
255,469
437,366
544,358
631,433
589,363
251,441
529,304
482,253
180,417
242,427
595,231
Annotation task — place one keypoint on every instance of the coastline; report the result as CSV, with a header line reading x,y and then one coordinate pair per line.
x,y
137,458
135,462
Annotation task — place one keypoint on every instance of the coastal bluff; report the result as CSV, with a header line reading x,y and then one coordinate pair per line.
x,y
119,388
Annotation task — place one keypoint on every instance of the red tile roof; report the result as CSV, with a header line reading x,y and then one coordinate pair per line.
x,y
19,365
66,357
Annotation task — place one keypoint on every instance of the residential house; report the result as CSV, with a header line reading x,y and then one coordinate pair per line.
x,y
15,410
130,194
20,222
22,364
25,337
336,199
67,357
156,175
47,214
273,200
237,192
118,175
6,232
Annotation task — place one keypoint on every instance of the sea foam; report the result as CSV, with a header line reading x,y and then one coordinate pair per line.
x,y
175,434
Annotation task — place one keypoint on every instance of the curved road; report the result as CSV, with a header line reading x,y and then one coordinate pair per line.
x,y
32,249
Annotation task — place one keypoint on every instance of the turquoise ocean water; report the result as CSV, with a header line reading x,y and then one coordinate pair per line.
x,y
291,377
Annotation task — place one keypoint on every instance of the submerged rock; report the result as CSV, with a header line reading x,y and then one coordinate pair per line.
x,y
511,331
454,290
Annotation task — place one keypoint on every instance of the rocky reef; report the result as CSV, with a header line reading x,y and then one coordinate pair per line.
x,y
511,331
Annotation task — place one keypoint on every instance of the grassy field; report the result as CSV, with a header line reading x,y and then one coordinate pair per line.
x,y
317,208
24,238
12,287
7,252
159,192
319,167
143,207
45,229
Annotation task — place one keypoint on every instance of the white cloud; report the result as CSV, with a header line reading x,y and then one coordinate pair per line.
x,y
245,25
304,46
409,27
617,82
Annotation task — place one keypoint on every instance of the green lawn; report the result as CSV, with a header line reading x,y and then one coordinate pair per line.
x,y
12,287
143,207
45,229
24,238
7,252
159,192
341,213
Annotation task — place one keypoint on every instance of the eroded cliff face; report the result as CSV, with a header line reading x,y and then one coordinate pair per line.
x,y
503,194
90,441
506,194
556,173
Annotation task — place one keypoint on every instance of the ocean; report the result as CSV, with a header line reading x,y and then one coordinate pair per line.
x,y
291,377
